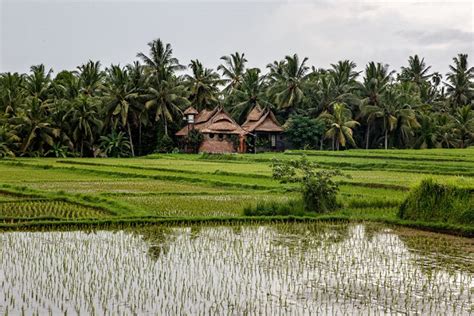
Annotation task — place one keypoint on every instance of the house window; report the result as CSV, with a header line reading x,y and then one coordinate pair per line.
x,y
211,135
221,136
273,138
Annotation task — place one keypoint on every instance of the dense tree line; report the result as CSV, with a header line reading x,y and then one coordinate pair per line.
x,y
135,109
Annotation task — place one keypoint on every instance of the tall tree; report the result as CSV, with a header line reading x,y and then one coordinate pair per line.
x,y
288,86
34,127
416,72
90,78
460,84
203,86
376,80
166,98
233,70
11,92
86,121
251,93
341,126
119,105
464,125
160,62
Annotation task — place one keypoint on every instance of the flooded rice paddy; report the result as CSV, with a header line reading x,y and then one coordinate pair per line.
x,y
281,269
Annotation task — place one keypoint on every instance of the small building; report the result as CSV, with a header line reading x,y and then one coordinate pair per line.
x,y
264,131
221,134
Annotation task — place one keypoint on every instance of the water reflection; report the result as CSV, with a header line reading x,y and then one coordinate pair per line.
x,y
291,269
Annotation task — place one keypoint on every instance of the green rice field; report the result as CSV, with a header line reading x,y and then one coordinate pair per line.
x,y
206,185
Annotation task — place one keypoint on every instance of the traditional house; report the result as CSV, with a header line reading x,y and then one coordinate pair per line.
x,y
264,131
221,134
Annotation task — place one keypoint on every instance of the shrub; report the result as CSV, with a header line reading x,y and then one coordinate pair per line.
x,y
291,207
305,132
435,202
318,188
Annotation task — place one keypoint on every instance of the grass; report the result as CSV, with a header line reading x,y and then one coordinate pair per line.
x,y
197,187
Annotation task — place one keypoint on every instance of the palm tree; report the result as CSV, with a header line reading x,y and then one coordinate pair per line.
x,y
66,85
397,111
119,96
464,125
84,116
376,81
8,138
167,98
90,78
460,85
445,137
202,85
38,83
12,93
427,133
340,124
287,86
160,63
416,72
115,145
233,70
34,127
251,93
139,80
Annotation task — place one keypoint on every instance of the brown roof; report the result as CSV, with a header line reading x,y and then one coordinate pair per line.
x,y
260,120
190,110
214,121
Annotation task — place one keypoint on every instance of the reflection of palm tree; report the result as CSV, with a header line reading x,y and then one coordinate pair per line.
x,y
158,239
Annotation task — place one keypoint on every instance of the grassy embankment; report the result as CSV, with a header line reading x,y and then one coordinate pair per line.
x,y
38,192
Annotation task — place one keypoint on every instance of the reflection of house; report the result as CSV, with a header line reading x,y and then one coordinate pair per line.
x,y
221,134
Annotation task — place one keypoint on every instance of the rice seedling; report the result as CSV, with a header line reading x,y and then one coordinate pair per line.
x,y
290,269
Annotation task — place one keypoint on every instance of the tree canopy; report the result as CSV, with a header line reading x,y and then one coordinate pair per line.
x,y
134,109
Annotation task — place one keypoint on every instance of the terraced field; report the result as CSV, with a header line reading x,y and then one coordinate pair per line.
x,y
212,186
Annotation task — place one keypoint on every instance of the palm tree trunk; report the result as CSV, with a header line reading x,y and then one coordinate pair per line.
x,y
131,141
386,139
82,147
166,127
140,138
367,136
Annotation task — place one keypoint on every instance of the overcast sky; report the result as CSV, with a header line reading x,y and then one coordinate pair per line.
x,y
65,34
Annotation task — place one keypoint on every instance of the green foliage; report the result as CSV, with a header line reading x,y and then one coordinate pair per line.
x,y
318,188
272,208
304,132
115,145
194,139
42,113
165,144
435,202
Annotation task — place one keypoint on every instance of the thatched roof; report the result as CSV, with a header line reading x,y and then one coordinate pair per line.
x,y
260,120
190,110
214,121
